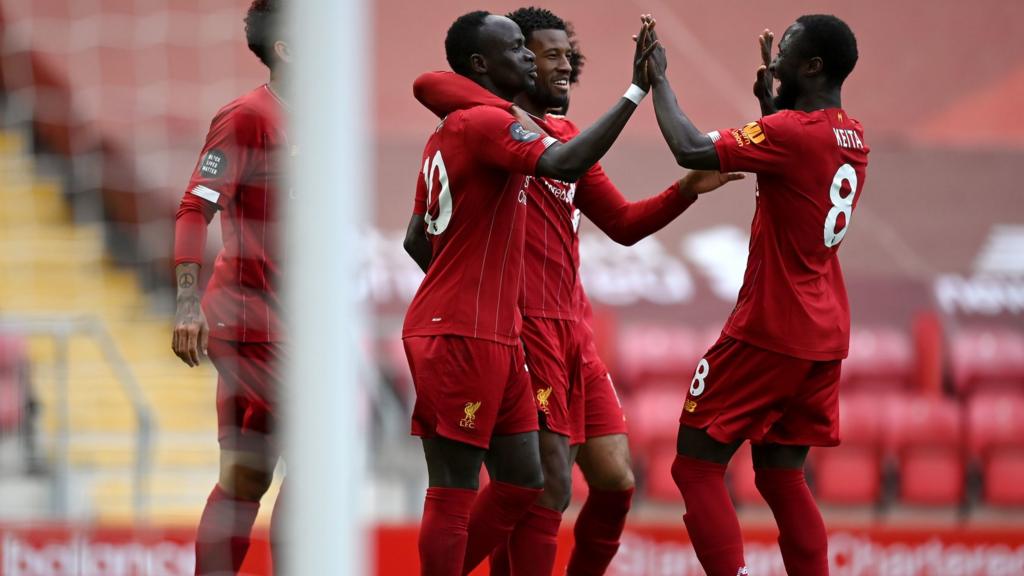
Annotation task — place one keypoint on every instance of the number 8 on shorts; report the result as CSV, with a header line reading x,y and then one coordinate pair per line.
x,y
697,384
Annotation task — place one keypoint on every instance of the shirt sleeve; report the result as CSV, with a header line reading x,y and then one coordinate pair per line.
x,y
623,221
419,205
445,92
500,141
232,147
765,146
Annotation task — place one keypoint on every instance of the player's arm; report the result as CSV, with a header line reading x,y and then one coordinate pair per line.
x,y
416,243
191,331
445,92
692,148
569,161
231,146
628,222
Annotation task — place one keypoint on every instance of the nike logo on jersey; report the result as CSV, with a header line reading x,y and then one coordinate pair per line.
x,y
848,139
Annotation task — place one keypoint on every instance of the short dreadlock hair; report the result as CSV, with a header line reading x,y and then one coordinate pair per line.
x,y
532,19
262,28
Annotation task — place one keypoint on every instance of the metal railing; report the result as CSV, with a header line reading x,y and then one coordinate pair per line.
x,y
61,329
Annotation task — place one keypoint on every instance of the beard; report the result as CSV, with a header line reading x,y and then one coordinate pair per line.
x,y
547,100
785,98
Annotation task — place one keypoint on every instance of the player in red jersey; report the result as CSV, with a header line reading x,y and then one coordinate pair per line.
x,y
462,329
553,335
238,323
772,378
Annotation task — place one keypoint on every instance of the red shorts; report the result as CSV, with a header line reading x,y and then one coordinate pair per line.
x,y
469,389
248,378
741,391
553,357
603,412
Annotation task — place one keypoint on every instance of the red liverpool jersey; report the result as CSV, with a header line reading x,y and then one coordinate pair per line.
x,y
239,171
473,196
810,170
551,279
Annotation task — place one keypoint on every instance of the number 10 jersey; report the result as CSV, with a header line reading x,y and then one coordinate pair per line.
x,y
472,192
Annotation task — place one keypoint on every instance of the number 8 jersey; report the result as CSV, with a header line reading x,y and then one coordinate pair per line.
x,y
472,192
810,170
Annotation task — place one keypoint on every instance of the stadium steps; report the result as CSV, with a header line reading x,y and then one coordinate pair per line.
x,y
54,267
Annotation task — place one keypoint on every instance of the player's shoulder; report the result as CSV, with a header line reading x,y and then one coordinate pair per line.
x,y
560,127
483,112
256,105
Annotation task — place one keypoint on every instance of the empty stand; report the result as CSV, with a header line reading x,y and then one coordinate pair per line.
x,y
851,473
881,358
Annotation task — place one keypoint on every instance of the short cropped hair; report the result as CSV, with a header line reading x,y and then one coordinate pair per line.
x,y
261,28
829,38
463,40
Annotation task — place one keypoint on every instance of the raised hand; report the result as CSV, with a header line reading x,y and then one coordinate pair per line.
x,y
645,46
704,181
764,85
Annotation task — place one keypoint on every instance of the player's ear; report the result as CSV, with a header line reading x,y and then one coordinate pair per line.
x,y
478,64
283,52
814,66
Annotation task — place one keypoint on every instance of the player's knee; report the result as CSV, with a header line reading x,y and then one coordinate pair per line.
x,y
610,471
246,483
557,488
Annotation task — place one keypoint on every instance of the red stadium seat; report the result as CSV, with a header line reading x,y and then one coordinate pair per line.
x,y
996,440
658,476
851,473
654,416
847,474
881,358
1003,472
990,359
926,434
653,352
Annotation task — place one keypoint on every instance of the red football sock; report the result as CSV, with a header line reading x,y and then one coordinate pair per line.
x,y
444,530
598,529
501,565
534,542
495,513
710,517
802,536
223,535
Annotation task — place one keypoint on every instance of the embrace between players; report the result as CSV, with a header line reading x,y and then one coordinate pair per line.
x,y
498,336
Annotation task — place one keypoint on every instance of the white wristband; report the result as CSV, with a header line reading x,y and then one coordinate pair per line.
x,y
635,94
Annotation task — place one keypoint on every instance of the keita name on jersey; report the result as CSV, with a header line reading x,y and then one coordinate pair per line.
x,y
848,138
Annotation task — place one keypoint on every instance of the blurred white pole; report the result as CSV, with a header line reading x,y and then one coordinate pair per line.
x,y
325,442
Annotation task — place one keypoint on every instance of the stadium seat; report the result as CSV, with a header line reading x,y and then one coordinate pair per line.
x,y
851,473
996,440
988,360
847,474
654,416
926,434
881,358
1003,473
658,476
651,352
